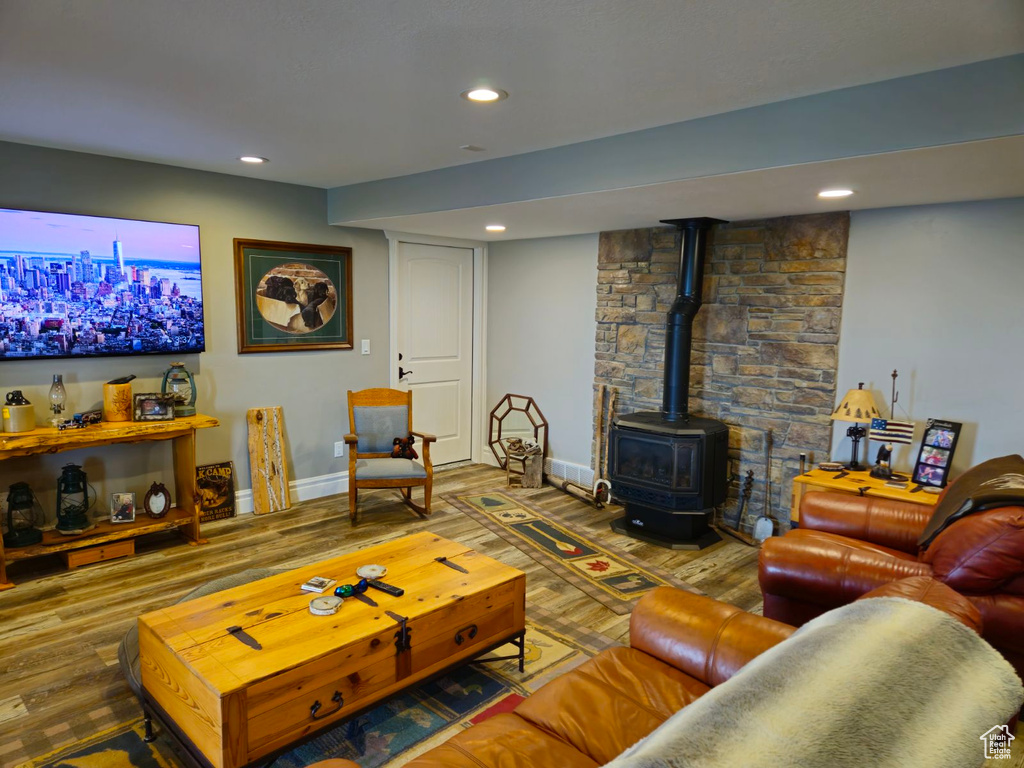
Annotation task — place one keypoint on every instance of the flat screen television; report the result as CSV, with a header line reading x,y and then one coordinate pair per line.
x,y
91,286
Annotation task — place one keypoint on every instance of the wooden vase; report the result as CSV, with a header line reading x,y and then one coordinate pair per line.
x,y
117,402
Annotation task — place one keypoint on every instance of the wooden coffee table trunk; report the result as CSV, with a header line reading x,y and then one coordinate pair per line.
x,y
231,704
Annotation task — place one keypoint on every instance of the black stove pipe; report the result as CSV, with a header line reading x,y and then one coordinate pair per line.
x,y
679,329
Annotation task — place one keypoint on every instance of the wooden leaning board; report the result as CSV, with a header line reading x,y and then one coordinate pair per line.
x,y
268,467
236,704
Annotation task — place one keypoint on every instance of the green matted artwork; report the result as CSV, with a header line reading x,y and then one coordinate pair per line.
x,y
292,297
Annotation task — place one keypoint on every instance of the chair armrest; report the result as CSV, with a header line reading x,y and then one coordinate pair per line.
x,y
894,524
351,439
426,439
823,571
702,637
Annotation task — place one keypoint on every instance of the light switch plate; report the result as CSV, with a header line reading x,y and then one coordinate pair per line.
x,y
366,347
339,449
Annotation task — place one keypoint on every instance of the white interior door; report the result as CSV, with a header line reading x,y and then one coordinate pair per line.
x,y
435,341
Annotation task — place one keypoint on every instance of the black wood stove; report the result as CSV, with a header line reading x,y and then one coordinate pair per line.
x,y
668,468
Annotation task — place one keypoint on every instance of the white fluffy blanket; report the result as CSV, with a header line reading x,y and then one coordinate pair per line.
x,y
882,682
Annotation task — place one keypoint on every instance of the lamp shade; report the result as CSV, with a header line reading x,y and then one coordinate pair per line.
x,y
858,406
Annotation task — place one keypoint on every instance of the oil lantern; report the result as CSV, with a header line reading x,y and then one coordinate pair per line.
x,y
23,515
179,382
73,500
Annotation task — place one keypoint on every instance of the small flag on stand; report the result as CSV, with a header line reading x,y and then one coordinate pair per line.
x,y
890,431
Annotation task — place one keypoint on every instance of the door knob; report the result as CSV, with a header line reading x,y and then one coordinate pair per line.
x,y
402,373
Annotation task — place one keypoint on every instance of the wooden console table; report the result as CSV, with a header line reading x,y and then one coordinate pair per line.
x,y
183,516
857,483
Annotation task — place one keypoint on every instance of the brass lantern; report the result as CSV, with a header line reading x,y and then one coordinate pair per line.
x,y
23,515
73,500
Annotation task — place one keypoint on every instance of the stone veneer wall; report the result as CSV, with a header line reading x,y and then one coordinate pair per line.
x,y
765,341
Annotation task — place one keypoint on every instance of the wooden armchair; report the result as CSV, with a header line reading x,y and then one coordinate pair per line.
x,y
375,418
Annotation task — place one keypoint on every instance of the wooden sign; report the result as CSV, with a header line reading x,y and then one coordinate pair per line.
x,y
215,484
267,466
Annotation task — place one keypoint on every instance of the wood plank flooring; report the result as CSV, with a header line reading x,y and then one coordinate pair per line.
x,y
59,630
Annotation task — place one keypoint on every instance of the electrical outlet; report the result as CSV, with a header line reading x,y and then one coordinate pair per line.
x,y
339,449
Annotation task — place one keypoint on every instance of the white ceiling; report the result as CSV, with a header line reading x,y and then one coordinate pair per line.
x,y
976,170
338,92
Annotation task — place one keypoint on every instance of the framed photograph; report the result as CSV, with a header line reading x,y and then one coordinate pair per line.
x,y
157,501
122,507
215,486
291,296
935,457
153,406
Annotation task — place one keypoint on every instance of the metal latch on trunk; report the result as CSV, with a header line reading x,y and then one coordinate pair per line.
x,y
403,637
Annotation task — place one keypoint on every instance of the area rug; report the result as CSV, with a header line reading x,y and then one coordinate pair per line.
x,y
397,730
606,573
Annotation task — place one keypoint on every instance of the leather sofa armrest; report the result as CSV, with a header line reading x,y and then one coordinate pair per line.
x,y
704,638
894,524
825,572
923,589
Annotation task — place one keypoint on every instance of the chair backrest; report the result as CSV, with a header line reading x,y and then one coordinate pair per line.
x,y
982,553
377,417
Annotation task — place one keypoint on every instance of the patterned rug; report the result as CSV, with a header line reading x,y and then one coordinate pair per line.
x,y
609,575
394,732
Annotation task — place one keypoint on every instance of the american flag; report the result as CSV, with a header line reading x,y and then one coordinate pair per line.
x,y
890,431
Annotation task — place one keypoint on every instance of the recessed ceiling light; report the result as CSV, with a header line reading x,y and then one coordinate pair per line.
x,y
484,95
495,227
827,193
254,159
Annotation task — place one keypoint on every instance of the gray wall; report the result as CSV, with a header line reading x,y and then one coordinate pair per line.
x,y
541,306
934,291
310,386
937,292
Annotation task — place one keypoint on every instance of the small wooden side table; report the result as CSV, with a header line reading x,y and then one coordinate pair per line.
x,y
856,483
532,475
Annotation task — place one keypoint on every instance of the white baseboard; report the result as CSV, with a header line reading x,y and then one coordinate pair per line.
x,y
488,456
301,490
567,470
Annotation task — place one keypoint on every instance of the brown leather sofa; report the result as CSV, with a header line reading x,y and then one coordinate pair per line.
x,y
848,545
681,645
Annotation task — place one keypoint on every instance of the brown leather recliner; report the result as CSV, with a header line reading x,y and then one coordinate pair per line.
x,y
681,646
847,545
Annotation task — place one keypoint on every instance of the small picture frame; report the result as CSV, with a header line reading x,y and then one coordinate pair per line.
x,y
935,457
157,501
153,406
122,507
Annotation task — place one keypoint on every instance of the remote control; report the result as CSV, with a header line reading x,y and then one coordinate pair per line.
x,y
386,588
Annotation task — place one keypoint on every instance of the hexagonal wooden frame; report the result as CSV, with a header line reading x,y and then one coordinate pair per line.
x,y
507,405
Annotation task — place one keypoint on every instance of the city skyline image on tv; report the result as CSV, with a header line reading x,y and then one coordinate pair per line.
x,y
93,286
